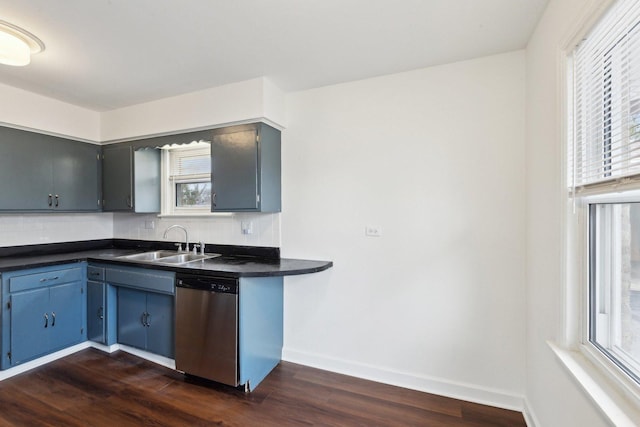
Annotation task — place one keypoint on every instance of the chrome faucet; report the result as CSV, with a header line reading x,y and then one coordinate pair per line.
x,y
186,237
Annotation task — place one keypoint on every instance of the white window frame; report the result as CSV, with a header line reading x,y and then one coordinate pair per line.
x,y
169,181
616,394
577,304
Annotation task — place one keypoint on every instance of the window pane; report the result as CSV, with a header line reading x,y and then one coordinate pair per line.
x,y
193,194
615,283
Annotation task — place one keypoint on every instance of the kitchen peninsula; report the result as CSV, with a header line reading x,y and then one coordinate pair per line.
x,y
61,295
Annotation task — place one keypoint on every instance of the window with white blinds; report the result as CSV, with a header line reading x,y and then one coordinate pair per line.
x,y
604,149
188,188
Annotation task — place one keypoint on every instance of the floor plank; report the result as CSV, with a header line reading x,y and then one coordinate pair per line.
x,y
91,388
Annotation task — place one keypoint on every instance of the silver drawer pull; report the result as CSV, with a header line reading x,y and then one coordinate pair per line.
x,y
46,320
45,279
53,319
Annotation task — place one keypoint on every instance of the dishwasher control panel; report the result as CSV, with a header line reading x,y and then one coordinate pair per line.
x,y
204,283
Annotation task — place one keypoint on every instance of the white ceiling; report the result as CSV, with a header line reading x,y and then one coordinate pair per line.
x,y
107,54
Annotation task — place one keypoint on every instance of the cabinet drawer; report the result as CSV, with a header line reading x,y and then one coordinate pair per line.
x,y
95,273
155,281
49,278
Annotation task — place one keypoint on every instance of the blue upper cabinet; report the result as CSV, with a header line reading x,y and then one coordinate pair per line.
x,y
131,179
44,173
246,169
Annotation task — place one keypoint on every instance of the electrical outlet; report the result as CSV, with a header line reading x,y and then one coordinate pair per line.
x,y
247,227
149,225
372,231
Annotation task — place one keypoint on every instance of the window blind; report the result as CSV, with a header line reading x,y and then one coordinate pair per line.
x,y
193,165
190,163
605,136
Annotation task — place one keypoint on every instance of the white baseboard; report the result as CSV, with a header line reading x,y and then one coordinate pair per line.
x,y
160,360
104,348
529,416
439,386
24,367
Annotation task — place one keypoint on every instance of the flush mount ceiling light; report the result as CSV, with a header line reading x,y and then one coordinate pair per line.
x,y
17,45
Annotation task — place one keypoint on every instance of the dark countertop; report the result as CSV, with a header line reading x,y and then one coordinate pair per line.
x,y
231,264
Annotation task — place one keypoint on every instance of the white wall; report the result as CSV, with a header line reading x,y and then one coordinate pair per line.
x,y
554,399
249,100
27,110
435,158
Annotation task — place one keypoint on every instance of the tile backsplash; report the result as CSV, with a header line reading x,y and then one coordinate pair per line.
x,y
224,230
30,229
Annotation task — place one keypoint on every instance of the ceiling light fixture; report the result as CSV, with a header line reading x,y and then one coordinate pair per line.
x,y
17,45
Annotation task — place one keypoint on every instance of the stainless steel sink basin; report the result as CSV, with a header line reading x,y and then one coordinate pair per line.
x,y
167,257
149,256
184,258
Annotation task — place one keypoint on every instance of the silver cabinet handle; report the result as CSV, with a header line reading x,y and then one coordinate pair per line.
x,y
53,319
213,200
100,313
45,279
57,200
144,319
46,320
129,202
50,202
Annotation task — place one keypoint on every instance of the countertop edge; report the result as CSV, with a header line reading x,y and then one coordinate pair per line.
x,y
61,258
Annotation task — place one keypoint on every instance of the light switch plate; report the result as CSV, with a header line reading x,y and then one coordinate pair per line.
x,y
372,231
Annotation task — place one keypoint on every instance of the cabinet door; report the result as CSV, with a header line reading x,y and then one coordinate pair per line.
x,y
146,177
30,324
117,179
160,338
25,170
75,176
234,171
96,296
131,318
66,303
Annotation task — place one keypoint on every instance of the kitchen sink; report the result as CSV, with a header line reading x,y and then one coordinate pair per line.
x,y
149,256
184,258
167,257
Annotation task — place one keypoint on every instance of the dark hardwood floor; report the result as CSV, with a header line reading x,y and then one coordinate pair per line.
x,y
91,388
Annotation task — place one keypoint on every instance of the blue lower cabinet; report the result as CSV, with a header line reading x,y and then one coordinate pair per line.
x,y
260,334
145,321
101,313
160,324
44,310
66,326
96,303
30,325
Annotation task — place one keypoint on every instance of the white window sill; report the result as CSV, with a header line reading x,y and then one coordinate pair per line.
x,y
619,408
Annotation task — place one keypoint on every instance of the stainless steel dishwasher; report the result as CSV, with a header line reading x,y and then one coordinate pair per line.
x,y
207,327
